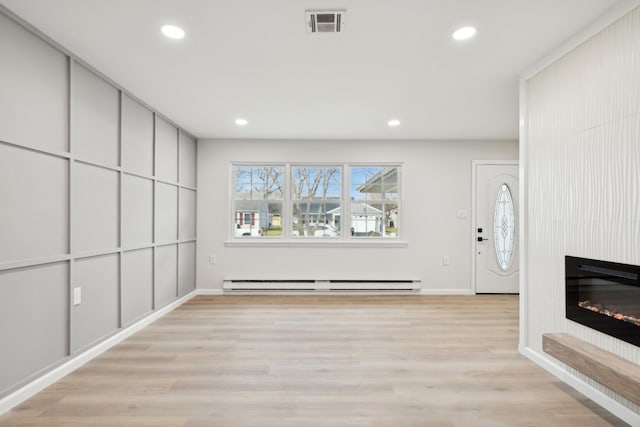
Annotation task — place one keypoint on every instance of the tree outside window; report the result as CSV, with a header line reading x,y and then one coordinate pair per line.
x,y
258,198
316,194
308,202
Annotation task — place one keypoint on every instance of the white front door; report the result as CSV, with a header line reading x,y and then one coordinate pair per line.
x,y
496,228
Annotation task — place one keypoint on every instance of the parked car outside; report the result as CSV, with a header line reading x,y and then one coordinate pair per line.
x,y
248,232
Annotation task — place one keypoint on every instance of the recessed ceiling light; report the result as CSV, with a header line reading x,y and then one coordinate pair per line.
x,y
464,33
393,123
172,31
242,122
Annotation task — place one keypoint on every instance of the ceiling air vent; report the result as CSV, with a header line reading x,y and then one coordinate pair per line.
x,y
325,21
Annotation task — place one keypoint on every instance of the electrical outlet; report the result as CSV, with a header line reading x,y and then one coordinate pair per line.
x,y
77,295
212,259
446,260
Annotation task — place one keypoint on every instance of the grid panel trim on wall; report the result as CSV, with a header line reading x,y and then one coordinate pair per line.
x,y
83,183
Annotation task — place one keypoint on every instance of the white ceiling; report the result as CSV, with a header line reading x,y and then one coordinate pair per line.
x,y
254,59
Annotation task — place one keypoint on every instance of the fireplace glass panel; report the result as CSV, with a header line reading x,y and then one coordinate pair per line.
x,y
612,299
604,296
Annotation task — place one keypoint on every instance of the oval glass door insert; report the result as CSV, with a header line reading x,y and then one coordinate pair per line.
x,y
504,227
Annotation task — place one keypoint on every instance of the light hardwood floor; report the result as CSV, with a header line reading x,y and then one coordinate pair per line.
x,y
318,361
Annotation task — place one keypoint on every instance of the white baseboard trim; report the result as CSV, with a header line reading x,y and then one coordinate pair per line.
x,y
557,370
446,292
17,397
257,292
209,292
366,293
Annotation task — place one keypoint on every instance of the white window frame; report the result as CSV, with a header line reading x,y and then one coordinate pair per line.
x,y
287,239
398,202
291,200
232,205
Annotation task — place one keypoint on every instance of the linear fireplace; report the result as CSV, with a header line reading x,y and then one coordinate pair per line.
x,y
604,296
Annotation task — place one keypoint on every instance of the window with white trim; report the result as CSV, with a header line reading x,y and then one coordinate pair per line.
x,y
257,200
374,201
316,193
316,202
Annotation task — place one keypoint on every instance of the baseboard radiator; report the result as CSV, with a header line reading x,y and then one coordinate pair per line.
x,y
270,285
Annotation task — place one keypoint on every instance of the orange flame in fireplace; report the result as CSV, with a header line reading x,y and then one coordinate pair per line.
x,y
598,308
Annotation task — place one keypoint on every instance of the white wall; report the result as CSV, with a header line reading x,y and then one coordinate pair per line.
x,y
583,165
83,182
436,183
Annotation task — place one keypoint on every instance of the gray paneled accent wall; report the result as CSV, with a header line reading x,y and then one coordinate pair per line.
x,y
94,208
186,272
36,117
98,193
95,108
34,326
97,316
137,284
166,274
166,212
39,203
166,151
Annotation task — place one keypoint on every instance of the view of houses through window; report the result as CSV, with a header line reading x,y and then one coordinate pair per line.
x,y
315,197
374,201
258,199
309,201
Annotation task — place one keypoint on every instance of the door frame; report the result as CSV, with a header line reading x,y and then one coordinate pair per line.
x,y
474,169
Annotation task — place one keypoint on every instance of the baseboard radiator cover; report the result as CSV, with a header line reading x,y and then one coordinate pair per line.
x,y
317,285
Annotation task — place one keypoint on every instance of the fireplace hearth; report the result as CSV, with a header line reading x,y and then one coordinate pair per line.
x,y
604,296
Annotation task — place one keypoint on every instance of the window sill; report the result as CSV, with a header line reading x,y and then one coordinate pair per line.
x,y
333,243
